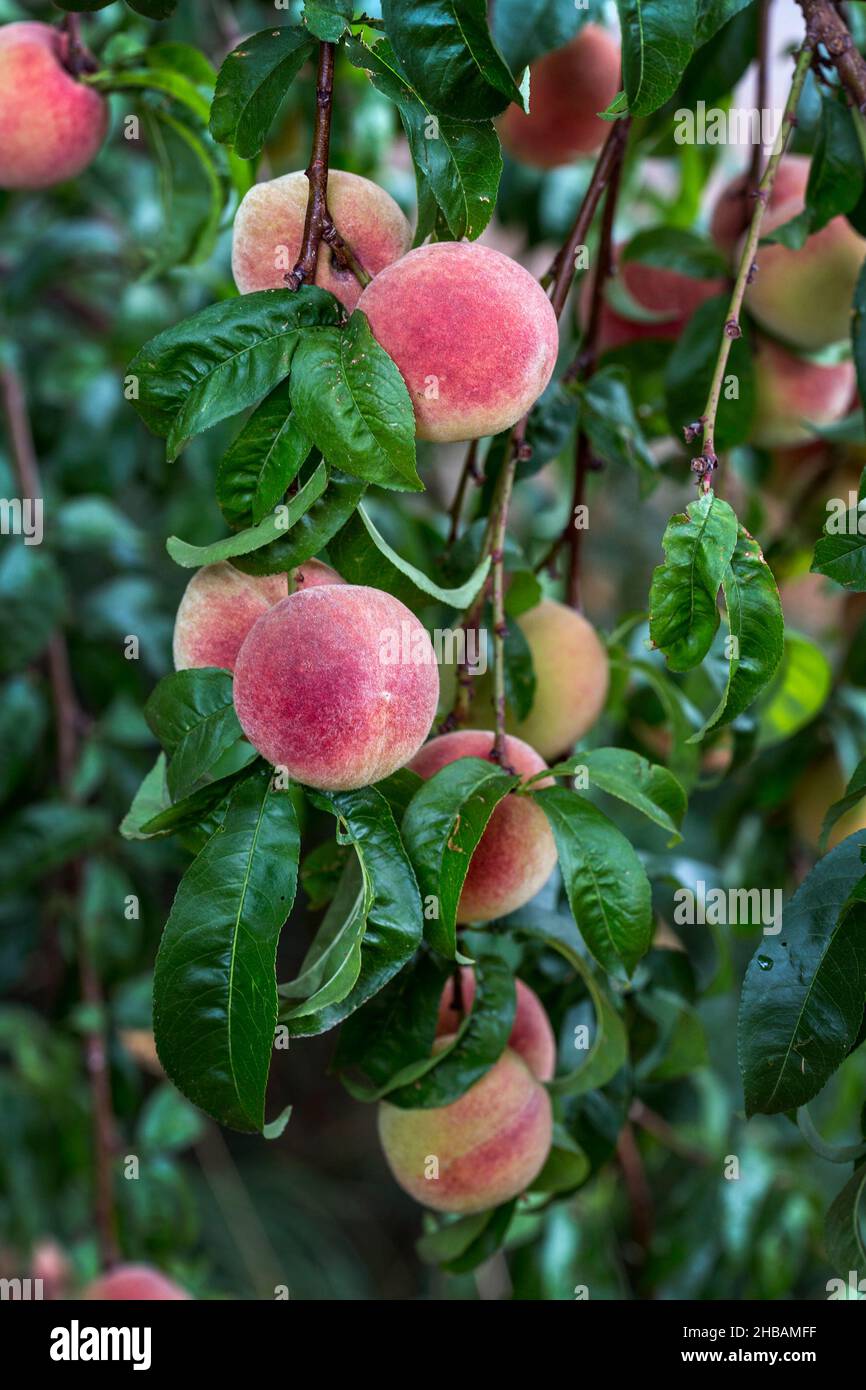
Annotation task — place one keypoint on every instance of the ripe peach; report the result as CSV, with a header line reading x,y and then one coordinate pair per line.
x,y
337,683
218,608
820,786
134,1283
659,291
482,1150
269,228
531,1037
313,572
567,90
516,854
790,391
736,203
472,333
51,125
803,297
571,673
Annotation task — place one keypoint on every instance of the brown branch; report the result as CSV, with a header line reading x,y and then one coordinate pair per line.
x,y
658,1127
469,472
304,272
69,721
561,271
640,1200
825,25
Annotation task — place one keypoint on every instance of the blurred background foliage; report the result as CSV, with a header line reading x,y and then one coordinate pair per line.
x,y
88,272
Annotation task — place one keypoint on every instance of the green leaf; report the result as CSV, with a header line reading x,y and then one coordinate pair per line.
x,y
31,603
331,966
214,988
804,990
351,400
45,835
191,191
649,788
152,9
252,83
168,81
327,19
450,56
836,175
167,1123
684,613
854,793
840,553
262,460
393,915
461,1246
658,39
312,532
23,717
273,528
608,418
458,162
359,550
479,1042
756,626
608,1052
675,248
567,1166
520,679
713,14
222,360
689,372
442,827
524,29
607,887
845,1226
395,1028
150,799
797,693
192,714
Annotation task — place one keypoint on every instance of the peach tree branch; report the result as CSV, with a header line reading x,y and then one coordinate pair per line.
x,y
825,26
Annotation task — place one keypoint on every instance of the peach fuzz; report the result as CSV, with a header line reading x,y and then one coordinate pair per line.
x,y
316,693
489,1144
567,90
51,125
803,297
269,227
531,1037
472,333
134,1283
665,292
313,572
790,391
572,675
218,608
517,853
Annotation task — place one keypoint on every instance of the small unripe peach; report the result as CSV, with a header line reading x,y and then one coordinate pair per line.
x,y
473,334
218,608
803,296
480,1151
338,684
51,125
269,228
790,392
516,854
135,1284
667,293
571,679
531,1037
567,90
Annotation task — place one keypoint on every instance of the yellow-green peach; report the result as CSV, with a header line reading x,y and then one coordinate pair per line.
x,y
269,228
516,854
326,687
51,124
473,334
531,1037
791,392
482,1150
218,608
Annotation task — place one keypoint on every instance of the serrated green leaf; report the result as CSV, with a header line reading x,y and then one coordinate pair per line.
x,y
262,460
252,83
447,50
192,714
658,40
363,556
273,528
684,613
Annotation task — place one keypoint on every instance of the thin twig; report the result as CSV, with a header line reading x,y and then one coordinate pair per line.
x,y
825,25
658,1127
304,272
707,461
468,473
561,271
69,722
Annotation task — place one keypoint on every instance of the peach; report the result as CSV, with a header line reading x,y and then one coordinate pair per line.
x,y
567,90
819,787
481,1150
134,1283
736,203
803,297
571,674
517,853
531,1037
338,684
472,333
218,608
665,292
812,604
790,391
51,125
313,572
269,227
